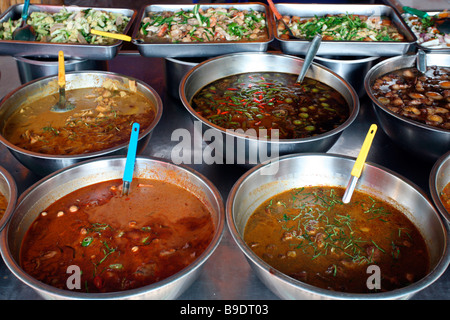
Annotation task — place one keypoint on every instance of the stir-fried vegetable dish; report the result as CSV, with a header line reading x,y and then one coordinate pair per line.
x,y
272,100
343,27
311,235
420,97
117,242
102,119
198,25
69,26
426,32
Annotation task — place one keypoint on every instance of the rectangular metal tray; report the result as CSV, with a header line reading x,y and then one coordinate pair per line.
x,y
424,48
346,48
71,50
201,49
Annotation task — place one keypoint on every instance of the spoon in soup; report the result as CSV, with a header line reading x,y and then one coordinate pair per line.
x,y
63,105
309,57
359,164
421,61
131,158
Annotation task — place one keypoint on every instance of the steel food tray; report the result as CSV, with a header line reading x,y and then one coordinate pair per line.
x,y
201,49
346,48
419,45
50,49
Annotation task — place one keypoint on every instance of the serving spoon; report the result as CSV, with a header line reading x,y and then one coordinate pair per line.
x,y
131,158
359,164
118,36
309,57
24,31
421,61
280,18
442,24
63,105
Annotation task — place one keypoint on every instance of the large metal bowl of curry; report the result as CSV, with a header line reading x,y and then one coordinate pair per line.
x,y
45,163
439,184
415,137
246,149
8,189
65,181
316,169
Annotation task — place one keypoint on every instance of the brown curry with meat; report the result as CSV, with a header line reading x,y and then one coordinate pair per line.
x,y
311,235
3,205
118,242
102,119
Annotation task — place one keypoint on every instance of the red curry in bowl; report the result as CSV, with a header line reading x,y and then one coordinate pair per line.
x,y
117,242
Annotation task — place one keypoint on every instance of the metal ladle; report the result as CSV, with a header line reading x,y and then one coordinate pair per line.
x,y
421,61
310,54
63,105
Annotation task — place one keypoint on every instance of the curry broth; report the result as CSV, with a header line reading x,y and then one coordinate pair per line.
x,y
445,197
3,205
119,242
102,119
310,235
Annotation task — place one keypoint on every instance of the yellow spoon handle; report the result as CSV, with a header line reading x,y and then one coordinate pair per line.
x,y
362,156
111,35
61,69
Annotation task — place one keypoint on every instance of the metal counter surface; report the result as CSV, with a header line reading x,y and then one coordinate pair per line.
x,y
226,275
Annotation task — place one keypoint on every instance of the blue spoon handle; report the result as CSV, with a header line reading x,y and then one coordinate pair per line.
x,y
25,9
131,154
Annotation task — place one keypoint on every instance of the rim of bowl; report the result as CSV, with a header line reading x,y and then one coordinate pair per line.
x,y
12,186
158,115
37,285
35,60
434,175
368,80
411,289
353,113
348,61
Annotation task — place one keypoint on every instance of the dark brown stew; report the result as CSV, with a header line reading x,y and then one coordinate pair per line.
x,y
272,100
118,242
424,98
310,235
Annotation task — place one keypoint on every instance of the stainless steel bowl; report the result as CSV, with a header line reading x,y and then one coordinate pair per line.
x,y
352,69
31,68
253,147
421,140
43,164
54,186
439,178
8,188
310,169
175,70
